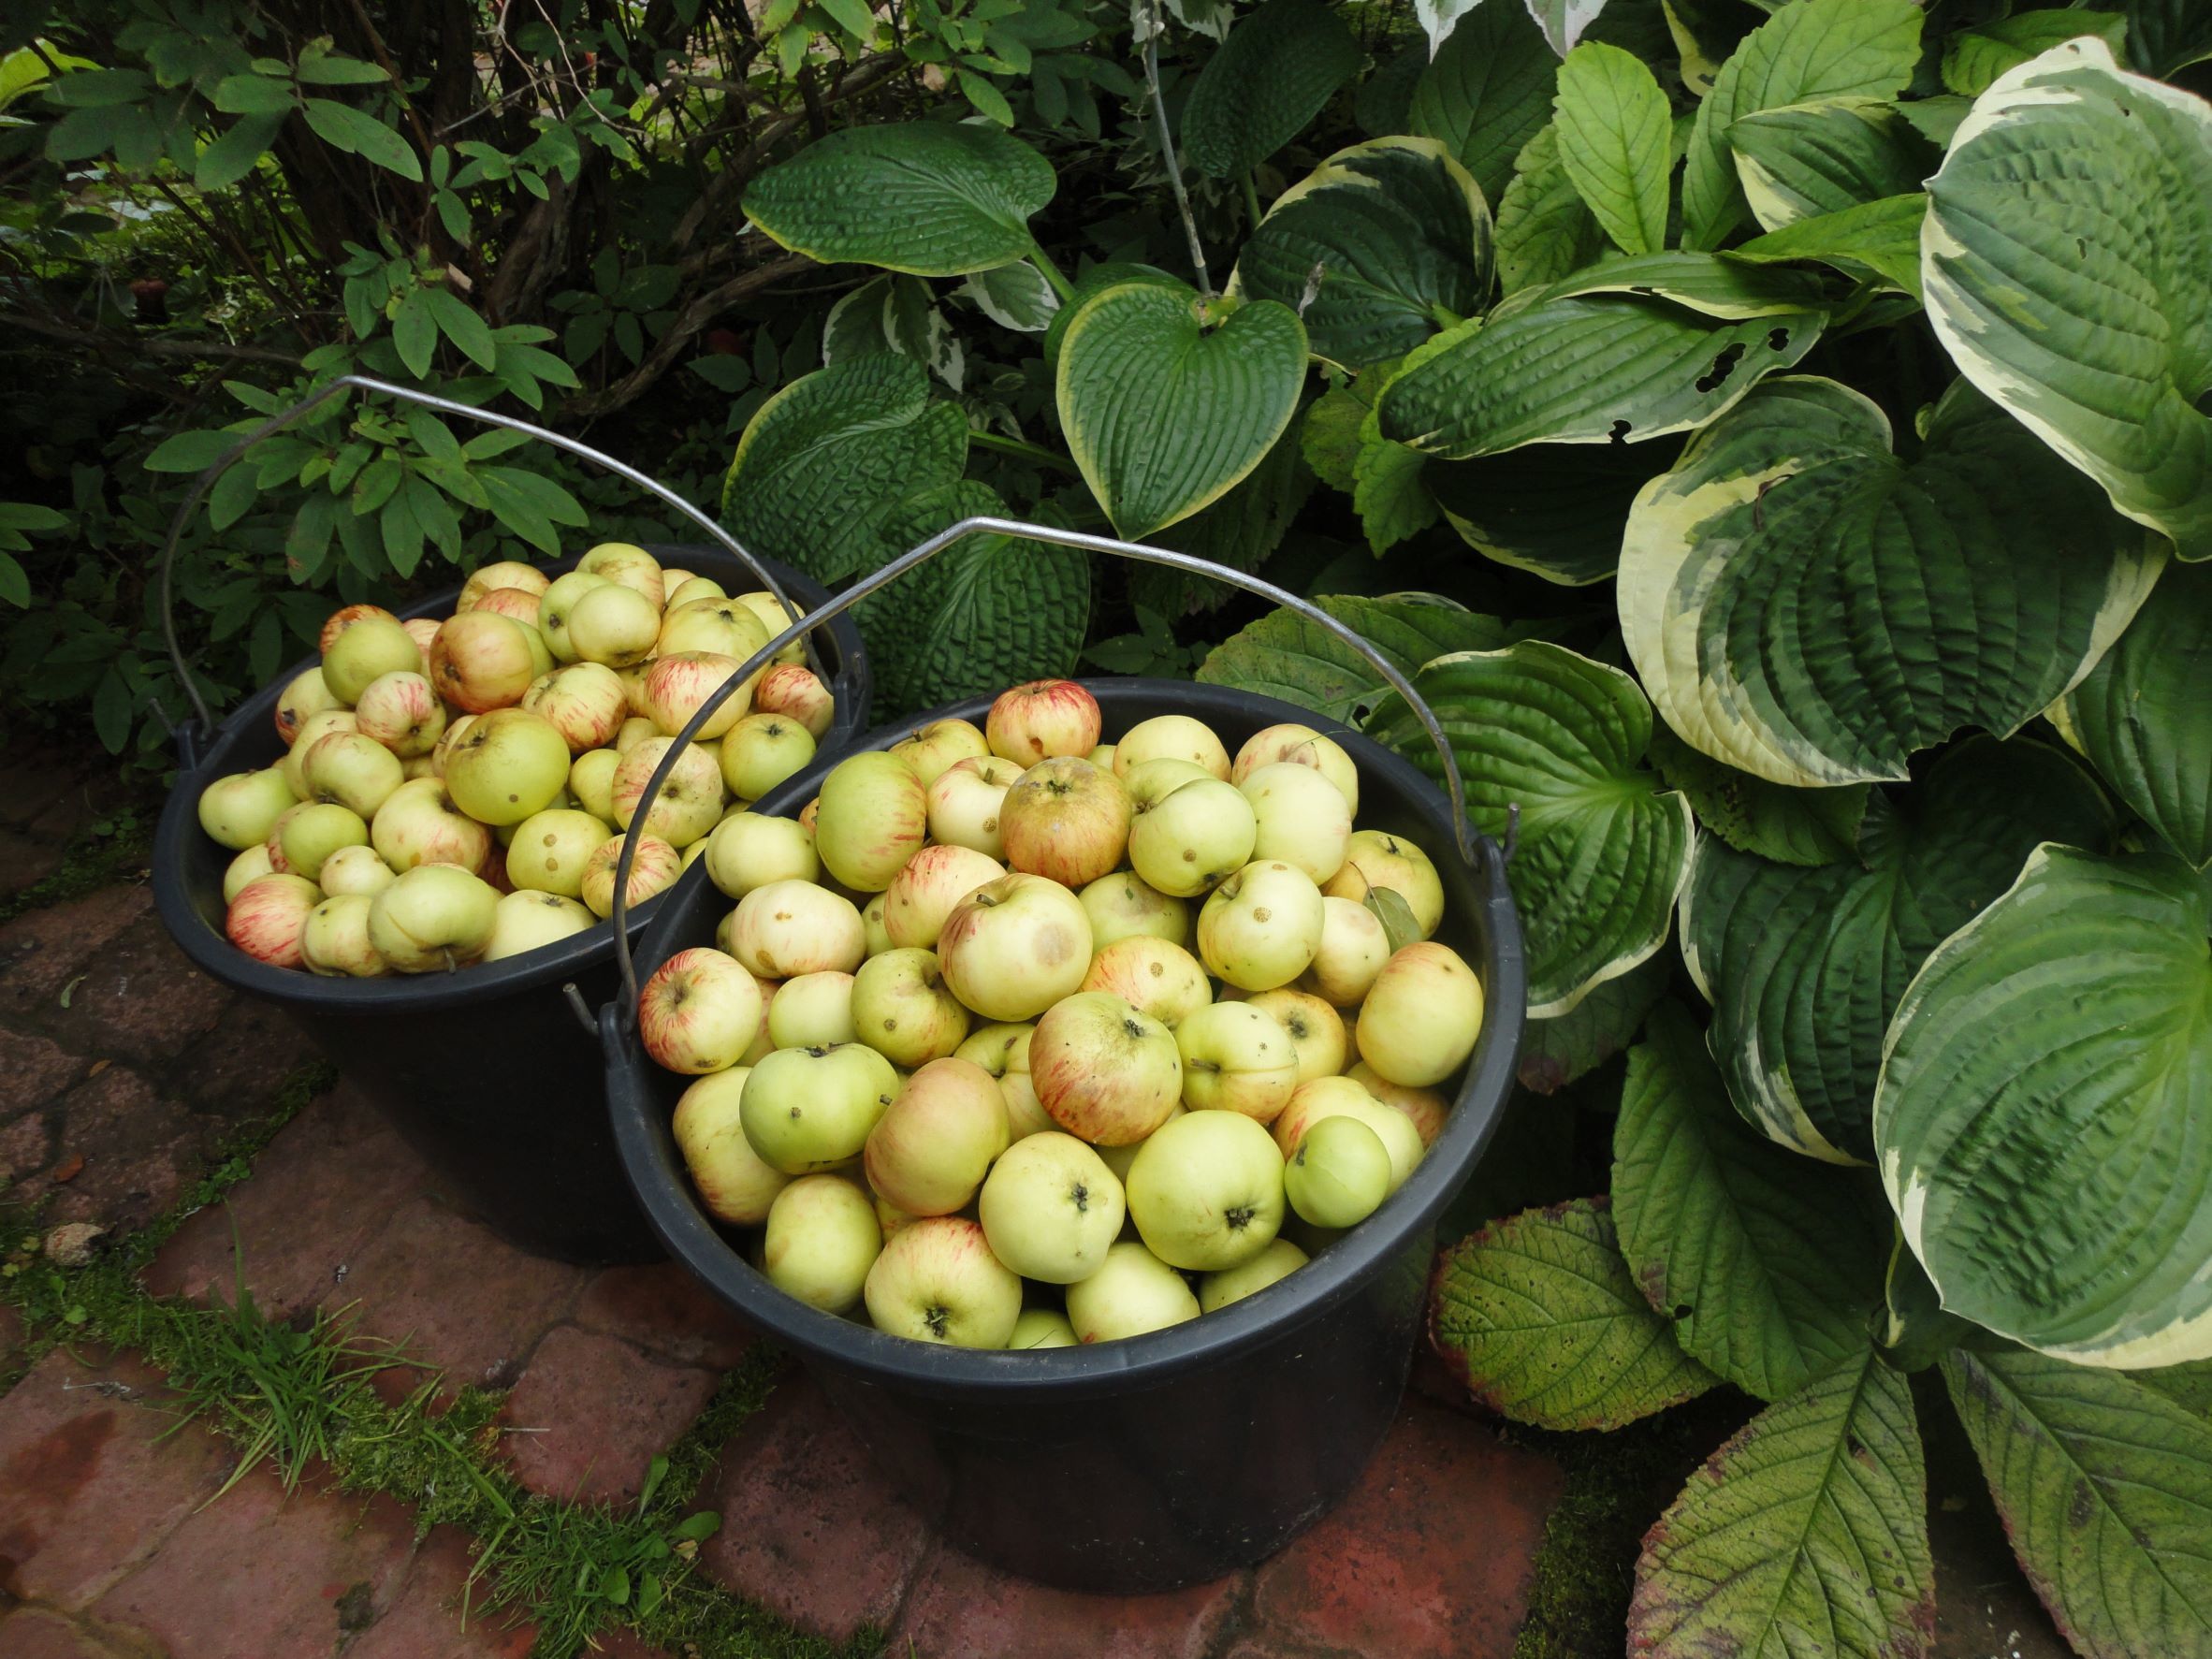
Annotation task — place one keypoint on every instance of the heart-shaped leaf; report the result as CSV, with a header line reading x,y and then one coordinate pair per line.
x,y
1284,656
1615,137
928,197
2143,718
1555,509
1804,965
1265,82
1400,236
1487,91
1163,408
1544,229
1603,847
2039,1118
1808,159
1793,826
2069,273
1973,585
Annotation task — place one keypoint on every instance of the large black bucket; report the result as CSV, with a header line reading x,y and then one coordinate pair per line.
x,y
1167,1459
489,1073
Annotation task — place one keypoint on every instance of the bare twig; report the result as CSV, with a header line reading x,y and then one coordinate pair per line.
x,y
688,324
1167,148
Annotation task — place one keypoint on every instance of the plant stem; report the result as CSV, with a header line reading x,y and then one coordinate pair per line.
x,y
1061,285
1251,201
1024,449
1167,148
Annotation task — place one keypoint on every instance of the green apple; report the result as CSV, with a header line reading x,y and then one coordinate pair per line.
x,y
319,724
749,850
365,652
1040,720
1170,737
1428,1109
550,849
335,940
504,573
774,618
636,730
557,604
930,888
809,1109
1302,746
761,751
400,711
592,781
433,917
1300,817
1421,1017
1003,1051
902,1009
1042,1328
419,824
709,1128
509,765
690,803
930,1149
1262,926
937,1280
1150,782
1051,1208
307,693
357,772
480,660
792,688
965,802
613,624
878,937
1340,1096
1123,906
722,626
1066,821
933,750
628,565
1132,1292
1279,1260
1373,859
240,811
1206,1191
1151,975
678,687
1340,1173
585,700
683,587
1354,947
527,922
253,863
699,1011
1104,1071
311,833
1193,838
1015,946
1316,1030
652,871
821,1242
1119,1159
1236,1058
782,929
874,817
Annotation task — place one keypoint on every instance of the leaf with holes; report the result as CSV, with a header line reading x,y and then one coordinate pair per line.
x,y
2143,719
1487,91
1164,406
1554,509
1264,83
1556,1051
2039,1121
1284,655
1603,847
1767,1264
1978,583
922,196
1399,236
1874,239
1793,826
1807,1533
1544,229
824,461
1538,1315
1809,159
2105,1489
1614,134
1816,49
2067,264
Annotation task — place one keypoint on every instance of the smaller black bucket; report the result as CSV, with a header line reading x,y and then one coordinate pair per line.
x,y
1168,1459
488,1073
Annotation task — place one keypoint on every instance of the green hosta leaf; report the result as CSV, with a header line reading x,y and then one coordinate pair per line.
x,y
1284,656
1816,49
1604,848
2167,36
1164,414
824,461
1401,235
1544,229
1264,83
1810,159
1555,509
2143,718
1614,134
1876,239
1805,965
1557,1051
1097,281
2069,273
1792,826
1766,1264
1806,1534
2105,1489
921,196
2040,1119
1239,531
1016,296
1488,92
1975,58
1977,583
1538,1315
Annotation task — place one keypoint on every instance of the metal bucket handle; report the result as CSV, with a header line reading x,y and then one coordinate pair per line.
x,y
324,394
1455,791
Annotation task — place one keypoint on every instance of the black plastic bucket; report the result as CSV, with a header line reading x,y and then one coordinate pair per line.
x,y
491,1074
1163,1460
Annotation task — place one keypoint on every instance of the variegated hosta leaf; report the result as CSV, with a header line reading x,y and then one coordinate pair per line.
x,y
1766,1264
1164,406
1703,283
2040,1119
1017,296
1792,826
822,462
2144,717
1536,1313
2068,264
1975,58
2105,1489
1554,509
1557,1051
1967,588
1809,159
1284,656
1544,227
1875,239
1264,83
1615,139
1804,965
1563,20
1807,1534
1487,91
1400,237
922,196
1604,846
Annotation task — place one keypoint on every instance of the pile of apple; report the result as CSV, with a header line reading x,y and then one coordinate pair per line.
x,y
1012,1034
454,790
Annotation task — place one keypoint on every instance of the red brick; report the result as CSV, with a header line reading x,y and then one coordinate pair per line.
x,y
959,1609
136,1144
1430,1555
247,1058
666,1311
42,951
591,1412
33,1633
261,1572
139,998
95,1477
36,1068
810,1529
440,1615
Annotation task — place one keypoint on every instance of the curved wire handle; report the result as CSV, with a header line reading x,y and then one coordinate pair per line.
x,y
324,394
1455,791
